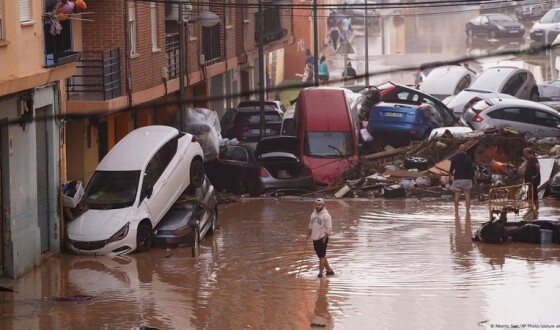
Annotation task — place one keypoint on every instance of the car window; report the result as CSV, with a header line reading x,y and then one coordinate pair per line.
x,y
512,114
407,96
491,79
513,85
227,119
111,189
249,118
463,83
553,16
235,153
159,163
328,144
240,155
546,119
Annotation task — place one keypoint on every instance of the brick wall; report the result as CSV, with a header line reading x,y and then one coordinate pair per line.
x,y
107,31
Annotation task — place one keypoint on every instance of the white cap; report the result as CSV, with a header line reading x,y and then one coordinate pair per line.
x,y
320,201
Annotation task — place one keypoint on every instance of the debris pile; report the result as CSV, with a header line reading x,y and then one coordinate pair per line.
x,y
422,168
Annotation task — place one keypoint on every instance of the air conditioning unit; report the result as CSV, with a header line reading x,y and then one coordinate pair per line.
x,y
172,11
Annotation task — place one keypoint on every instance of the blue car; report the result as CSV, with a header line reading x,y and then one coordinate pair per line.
x,y
410,120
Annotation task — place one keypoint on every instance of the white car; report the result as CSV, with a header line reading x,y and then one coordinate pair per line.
x,y
447,80
499,81
530,118
132,188
550,22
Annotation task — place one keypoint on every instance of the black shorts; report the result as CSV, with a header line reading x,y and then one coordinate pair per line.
x,y
320,247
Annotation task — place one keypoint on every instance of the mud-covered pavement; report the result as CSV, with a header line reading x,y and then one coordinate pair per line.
x,y
399,264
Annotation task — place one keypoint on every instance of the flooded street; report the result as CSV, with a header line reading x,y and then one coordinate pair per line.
x,y
399,264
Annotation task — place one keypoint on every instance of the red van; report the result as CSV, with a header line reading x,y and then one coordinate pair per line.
x,y
328,135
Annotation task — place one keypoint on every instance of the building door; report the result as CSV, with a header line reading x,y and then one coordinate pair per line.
x,y
42,177
2,132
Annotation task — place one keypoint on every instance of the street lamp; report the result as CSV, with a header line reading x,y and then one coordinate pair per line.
x,y
204,19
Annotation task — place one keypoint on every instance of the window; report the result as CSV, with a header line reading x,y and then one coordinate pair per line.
x,y
159,163
24,10
230,15
153,17
236,154
546,119
512,114
132,27
1,21
514,84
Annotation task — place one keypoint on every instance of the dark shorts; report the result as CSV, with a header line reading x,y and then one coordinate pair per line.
x,y
323,77
320,247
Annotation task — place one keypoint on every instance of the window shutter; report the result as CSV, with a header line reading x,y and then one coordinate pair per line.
x,y
153,15
24,10
1,21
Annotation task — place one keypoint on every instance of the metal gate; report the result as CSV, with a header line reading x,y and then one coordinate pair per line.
x,y
42,177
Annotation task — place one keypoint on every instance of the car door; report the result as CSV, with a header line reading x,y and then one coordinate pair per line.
x,y
516,118
517,86
235,165
546,124
483,26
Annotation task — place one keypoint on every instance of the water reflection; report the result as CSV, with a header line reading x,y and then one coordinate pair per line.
x,y
321,314
400,263
462,245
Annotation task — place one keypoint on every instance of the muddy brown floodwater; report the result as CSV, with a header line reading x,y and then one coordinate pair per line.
x,y
400,264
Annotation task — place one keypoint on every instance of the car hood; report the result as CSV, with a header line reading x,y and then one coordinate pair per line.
x,y
327,171
510,24
97,225
284,143
468,94
545,26
175,219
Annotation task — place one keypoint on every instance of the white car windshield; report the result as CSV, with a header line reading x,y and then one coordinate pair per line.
x,y
111,189
552,16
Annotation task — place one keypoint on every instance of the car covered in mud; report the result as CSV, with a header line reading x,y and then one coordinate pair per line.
x,y
132,188
273,165
190,219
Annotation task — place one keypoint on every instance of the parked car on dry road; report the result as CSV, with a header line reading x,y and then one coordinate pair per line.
x,y
132,188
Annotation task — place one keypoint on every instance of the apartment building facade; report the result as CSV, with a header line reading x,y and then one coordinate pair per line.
x,y
31,134
75,84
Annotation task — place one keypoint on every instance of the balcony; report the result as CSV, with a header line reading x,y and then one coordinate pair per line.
x,y
97,78
211,44
272,29
58,47
172,55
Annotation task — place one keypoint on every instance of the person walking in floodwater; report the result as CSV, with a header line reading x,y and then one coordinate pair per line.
x,y
463,173
532,173
320,227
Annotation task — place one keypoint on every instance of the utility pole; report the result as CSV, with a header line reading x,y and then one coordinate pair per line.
x,y
366,36
315,46
261,67
182,68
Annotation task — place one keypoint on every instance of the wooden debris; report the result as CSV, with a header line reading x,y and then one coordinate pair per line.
x,y
343,191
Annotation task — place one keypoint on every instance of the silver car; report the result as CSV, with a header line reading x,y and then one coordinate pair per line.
x,y
548,24
447,80
510,80
527,117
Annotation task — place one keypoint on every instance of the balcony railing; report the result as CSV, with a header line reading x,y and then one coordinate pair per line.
x,y
272,29
98,77
211,44
172,55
